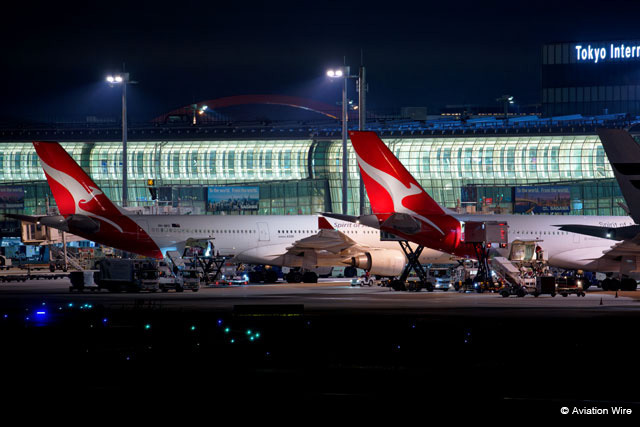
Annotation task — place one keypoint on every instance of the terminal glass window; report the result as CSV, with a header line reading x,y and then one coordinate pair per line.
x,y
443,165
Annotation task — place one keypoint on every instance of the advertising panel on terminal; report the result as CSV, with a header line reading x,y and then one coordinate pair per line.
x,y
11,197
221,198
544,200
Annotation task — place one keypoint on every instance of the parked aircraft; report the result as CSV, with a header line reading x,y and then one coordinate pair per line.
x,y
305,241
402,207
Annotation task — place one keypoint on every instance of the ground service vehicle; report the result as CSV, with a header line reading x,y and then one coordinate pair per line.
x,y
187,278
440,277
364,280
131,275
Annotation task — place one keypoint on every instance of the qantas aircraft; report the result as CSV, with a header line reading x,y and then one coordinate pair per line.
x,y
402,207
306,241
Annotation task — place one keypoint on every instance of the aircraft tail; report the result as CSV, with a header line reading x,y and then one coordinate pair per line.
x,y
624,155
390,186
85,209
74,191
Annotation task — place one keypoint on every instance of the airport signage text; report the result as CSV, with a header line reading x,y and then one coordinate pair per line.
x,y
610,52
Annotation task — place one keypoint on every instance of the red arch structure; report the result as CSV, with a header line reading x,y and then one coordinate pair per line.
x,y
229,101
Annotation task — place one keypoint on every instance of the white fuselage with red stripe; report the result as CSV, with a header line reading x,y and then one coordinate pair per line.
x,y
392,190
260,239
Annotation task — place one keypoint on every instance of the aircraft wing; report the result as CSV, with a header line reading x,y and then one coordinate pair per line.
x,y
623,249
328,242
327,239
630,232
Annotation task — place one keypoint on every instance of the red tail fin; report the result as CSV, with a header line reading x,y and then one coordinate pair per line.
x,y
74,191
390,186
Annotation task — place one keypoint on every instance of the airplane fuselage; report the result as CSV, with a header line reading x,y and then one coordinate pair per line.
x,y
259,239
562,249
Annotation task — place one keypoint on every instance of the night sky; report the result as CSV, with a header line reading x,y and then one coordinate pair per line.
x,y
55,57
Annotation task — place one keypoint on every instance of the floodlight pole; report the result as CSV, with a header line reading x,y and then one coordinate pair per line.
x,y
123,79
345,156
362,123
124,140
344,72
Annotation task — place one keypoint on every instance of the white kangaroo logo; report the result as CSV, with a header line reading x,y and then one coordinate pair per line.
x,y
78,192
396,189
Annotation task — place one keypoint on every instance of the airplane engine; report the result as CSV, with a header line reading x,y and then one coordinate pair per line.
x,y
382,263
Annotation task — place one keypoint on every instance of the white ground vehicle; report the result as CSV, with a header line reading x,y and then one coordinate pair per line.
x,y
364,280
440,278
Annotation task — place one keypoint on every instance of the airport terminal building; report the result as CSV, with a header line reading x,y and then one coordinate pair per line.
x,y
298,170
482,164
591,78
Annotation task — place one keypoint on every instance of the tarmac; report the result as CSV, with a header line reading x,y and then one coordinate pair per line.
x,y
299,345
330,296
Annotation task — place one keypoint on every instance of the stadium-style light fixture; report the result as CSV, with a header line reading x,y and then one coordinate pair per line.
x,y
118,78
506,100
337,73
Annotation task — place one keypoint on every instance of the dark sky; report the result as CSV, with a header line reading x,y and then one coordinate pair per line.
x,y
55,55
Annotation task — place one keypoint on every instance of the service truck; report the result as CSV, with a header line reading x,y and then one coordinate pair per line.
x,y
131,275
177,274
184,278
